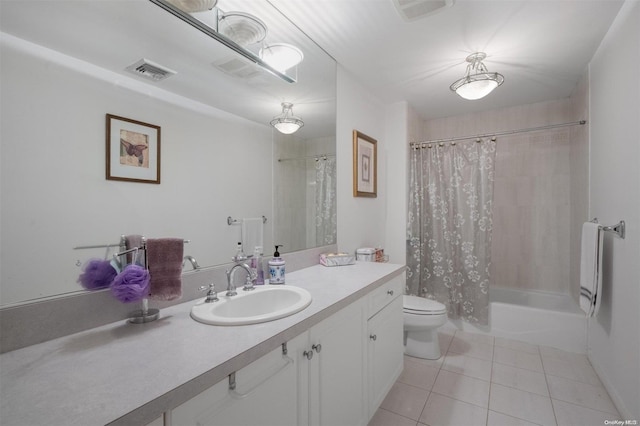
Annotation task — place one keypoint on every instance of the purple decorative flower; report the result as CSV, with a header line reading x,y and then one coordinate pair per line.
x,y
131,285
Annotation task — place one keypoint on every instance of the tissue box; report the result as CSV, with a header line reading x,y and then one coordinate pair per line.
x,y
336,259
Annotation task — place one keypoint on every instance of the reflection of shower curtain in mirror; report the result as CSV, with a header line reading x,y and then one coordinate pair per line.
x,y
449,226
326,223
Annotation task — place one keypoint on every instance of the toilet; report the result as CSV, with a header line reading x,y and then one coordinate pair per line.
x,y
422,317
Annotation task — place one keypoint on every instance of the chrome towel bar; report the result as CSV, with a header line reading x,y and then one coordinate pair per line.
x,y
619,229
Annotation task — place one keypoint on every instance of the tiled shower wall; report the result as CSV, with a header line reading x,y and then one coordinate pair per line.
x,y
530,247
534,239
294,190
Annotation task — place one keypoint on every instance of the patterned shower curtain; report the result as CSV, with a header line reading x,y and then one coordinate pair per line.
x,y
449,226
326,222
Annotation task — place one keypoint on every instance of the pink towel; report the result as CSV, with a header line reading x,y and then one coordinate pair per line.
x,y
133,241
164,258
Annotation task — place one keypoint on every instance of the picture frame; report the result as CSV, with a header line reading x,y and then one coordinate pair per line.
x,y
132,150
365,165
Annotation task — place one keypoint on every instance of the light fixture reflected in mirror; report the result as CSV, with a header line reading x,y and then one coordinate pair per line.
x,y
478,82
221,38
194,6
242,28
281,56
286,122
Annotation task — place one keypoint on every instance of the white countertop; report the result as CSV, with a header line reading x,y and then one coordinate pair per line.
x,y
129,373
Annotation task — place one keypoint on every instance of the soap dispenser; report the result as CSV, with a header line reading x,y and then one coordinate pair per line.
x,y
276,268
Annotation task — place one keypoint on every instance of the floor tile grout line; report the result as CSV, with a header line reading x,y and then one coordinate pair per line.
x,y
583,406
430,390
397,414
518,389
486,421
579,406
553,408
521,368
459,400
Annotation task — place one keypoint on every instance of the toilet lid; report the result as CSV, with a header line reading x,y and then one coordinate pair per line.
x,y
420,305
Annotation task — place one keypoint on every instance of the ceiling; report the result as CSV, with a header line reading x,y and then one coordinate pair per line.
x,y
542,47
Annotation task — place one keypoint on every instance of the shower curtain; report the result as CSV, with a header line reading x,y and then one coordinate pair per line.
x,y
325,200
449,226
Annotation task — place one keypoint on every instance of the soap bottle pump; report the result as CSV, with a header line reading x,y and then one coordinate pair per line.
x,y
276,268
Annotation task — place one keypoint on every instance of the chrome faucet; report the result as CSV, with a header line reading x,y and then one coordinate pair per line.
x,y
191,259
231,288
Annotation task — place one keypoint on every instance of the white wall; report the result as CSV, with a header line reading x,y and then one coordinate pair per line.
x,y
361,221
614,335
396,157
54,193
380,221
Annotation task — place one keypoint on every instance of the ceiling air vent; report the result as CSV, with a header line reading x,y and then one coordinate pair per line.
x,y
149,70
237,67
410,10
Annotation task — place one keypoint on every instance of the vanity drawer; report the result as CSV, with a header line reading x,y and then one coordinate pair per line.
x,y
385,294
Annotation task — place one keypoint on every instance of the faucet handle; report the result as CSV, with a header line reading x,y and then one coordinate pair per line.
x,y
212,295
248,285
239,258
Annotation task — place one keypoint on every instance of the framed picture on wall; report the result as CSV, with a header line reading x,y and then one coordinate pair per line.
x,y
365,165
133,150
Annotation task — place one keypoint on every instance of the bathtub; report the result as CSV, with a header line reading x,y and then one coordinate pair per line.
x,y
539,318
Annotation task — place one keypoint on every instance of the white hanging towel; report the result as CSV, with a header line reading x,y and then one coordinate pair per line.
x,y
252,234
591,268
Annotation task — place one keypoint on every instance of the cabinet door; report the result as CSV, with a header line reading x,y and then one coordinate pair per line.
x,y
266,393
336,371
385,352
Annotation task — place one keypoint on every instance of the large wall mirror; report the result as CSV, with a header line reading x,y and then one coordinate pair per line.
x,y
63,70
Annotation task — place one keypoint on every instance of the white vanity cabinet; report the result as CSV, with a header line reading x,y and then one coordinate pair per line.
x,y
320,381
385,357
265,393
333,371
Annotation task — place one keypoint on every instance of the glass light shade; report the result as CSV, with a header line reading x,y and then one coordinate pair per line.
x,y
477,88
478,82
281,56
286,127
287,123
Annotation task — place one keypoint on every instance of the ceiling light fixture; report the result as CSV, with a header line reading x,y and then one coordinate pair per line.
x,y
477,82
286,122
281,56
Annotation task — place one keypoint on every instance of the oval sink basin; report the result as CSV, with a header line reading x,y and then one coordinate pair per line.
x,y
265,303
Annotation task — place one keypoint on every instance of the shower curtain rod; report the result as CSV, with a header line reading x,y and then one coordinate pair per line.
x,y
508,132
308,157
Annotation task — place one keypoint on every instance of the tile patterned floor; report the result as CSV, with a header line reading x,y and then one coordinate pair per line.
x,y
485,381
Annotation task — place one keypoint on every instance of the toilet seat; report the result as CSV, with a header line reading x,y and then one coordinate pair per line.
x,y
414,305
